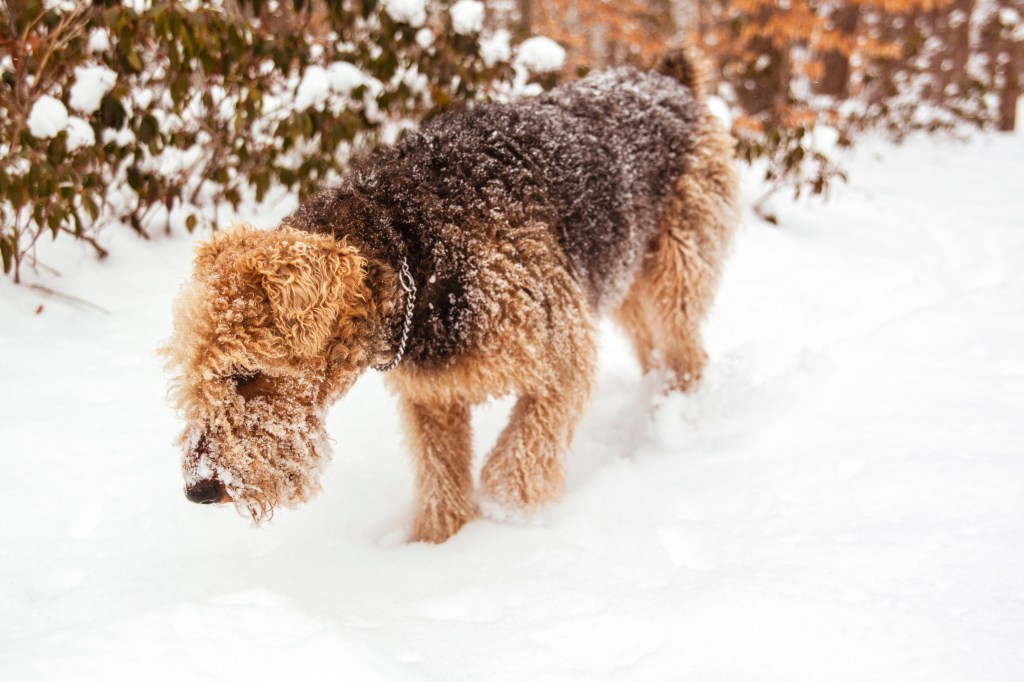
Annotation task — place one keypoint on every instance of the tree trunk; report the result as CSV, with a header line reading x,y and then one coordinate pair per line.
x,y
836,79
764,88
1010,94
524,26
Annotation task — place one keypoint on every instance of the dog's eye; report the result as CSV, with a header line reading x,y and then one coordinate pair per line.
x,y
243,379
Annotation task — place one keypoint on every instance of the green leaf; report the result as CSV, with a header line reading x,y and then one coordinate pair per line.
x,y
90,206
112,114
17,191
55,219
79,227
261,181
132,57
148,129
134,178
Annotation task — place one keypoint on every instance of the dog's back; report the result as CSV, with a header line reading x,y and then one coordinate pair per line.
x,y
593,160
596,163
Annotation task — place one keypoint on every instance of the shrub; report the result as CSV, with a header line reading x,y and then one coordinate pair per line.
x,y
157,113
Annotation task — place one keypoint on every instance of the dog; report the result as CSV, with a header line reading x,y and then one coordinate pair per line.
x,y
468,261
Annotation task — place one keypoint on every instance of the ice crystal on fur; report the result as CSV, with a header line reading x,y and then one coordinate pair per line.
x,y
519,224
592,162
252,371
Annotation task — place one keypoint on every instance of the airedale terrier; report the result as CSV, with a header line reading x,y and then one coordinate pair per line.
x,y
470,260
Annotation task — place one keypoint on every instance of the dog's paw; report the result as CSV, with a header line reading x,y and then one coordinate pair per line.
x,y
435,524
684,374
501,512
519,486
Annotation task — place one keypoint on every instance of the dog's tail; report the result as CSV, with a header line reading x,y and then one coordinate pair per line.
x,y
688,66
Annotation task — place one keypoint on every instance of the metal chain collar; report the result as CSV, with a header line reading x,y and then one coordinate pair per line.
x,y
409,286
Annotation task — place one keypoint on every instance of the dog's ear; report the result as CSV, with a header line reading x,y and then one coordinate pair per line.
x,y
312,282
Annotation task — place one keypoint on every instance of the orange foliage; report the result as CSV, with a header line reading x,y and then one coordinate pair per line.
x,y
744,37
598,32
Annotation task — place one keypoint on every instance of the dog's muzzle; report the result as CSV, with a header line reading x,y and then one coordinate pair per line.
x,y
210,491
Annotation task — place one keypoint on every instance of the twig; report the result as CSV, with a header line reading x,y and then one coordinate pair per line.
x,y
761,212
40,265
67,297
101,253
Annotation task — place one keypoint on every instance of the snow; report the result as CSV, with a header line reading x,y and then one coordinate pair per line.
x,y
99,40
467,17
412,12
424,38
721,110
540,55
122,137
91,84
60,5
48,117
825,139
314,88
841,499
321,85
18,167
80,133
496,48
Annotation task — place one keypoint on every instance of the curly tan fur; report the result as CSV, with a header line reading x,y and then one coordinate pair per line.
x,y
269,330
688,66
275,326
530,353
663,309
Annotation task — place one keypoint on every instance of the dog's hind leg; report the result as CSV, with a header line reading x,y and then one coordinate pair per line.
x,y
441,441
664,308
632,316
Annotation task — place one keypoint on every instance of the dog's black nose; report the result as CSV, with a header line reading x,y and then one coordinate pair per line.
x,y
205,492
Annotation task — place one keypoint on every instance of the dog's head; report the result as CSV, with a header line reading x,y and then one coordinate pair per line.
x,y
268,332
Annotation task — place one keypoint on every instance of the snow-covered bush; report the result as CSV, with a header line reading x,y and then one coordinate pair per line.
x,y
155,113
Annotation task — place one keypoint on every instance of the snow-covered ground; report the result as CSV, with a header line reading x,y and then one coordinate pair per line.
x,y
842,500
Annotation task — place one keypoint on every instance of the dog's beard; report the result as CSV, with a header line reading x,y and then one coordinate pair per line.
x,y
262,461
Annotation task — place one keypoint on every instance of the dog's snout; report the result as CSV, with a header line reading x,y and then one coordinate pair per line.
x,y
205,492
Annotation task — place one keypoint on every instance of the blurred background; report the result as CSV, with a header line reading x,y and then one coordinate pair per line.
x,y
158,115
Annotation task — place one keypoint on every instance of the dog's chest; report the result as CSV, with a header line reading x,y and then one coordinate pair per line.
x,y
444,321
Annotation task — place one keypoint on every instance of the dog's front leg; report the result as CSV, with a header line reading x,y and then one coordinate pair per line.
x,y
525,467
441,441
